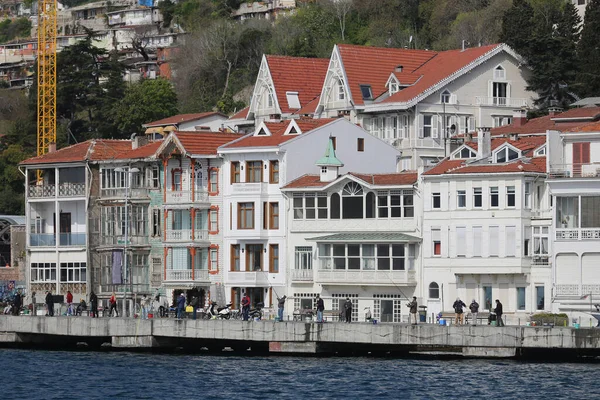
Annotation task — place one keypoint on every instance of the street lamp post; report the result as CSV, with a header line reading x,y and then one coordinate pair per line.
x,y
126,270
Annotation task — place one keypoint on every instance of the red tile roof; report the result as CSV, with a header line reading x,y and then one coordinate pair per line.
x,y
396,179
277,129
582,112
455,167
588,127
536,125
90,150
439,67
310,107
182,118
297,74
523,143
204,143
145,151
242,114
373,65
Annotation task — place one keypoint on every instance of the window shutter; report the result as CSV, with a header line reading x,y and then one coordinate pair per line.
x,y
477,236
490,90
420,126
434,126
453,99
585,152
461,241
494,238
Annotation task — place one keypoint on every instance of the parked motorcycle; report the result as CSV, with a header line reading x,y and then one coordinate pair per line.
x,y
215,312
256,313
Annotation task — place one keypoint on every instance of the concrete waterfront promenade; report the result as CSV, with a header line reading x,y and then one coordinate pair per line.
x,y
298,337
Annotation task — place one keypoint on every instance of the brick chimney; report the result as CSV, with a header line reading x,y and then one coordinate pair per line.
x,y
519,117
52,148
553,111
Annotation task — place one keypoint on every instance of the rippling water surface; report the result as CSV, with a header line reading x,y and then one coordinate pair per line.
x,y
97,375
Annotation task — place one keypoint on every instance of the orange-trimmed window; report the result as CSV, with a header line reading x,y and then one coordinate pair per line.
x,y
245,215
254,171
235,172
274,258
213,259
176,179
213,181
213,220
235,258
274,172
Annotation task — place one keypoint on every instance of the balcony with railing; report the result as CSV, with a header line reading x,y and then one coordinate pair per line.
x,y
42,240
301,275
49,190
185,235
181,275
365,277
540,261
186,197
72,239
574,289
119,240
578,170
422,142
249,188
577,234
122,193
500,101
248,278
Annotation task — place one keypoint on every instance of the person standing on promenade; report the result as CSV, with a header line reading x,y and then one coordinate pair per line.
x,y
348,310
245,306
320,308
144,306
94,304
498,311
69,303
180,305
113,305
412,317
17,303
474,307
280,307
459,316
50,304
194,304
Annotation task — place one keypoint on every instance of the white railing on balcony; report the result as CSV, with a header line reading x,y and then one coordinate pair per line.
x,y
578,234
587,170
365,277
119,240
133,193
540,260
42,190
249,188
181,197
186,275
71,189
258,278
304,275
185,235
500,101
567,290
409,143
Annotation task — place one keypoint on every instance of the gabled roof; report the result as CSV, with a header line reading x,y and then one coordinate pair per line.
x,y
393,179
581,113
373,65
277,130
563,121
457,167
588,127
242,114
297,74
146,151
182,118
202,143
90,150
524,143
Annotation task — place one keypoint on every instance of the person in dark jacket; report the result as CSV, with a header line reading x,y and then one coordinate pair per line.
x,y
348,310
280,307
17,303
320,308
245,306
50,304
474,307
498,311
459,316
180,305
94,304
412,318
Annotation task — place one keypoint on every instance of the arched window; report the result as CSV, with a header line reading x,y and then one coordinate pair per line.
x,y
198,186
370,203
434,291
341,91
499,72
335,206
352,201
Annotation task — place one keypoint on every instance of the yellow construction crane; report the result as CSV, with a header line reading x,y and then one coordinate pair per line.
x,y
46,75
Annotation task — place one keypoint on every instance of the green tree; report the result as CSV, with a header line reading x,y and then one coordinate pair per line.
x,y
145,101
517,27
588,78
11,29
167,9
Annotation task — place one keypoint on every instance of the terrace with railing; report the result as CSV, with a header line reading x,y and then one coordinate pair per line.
x,y
577,170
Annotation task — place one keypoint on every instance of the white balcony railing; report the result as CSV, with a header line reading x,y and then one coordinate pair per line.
x,y
567,290
587,170
578,234
185,235
258,278
186,275
183,197
540,260
249,188
133,193
500,101
301,275
359,277
66,189
42,191
426,142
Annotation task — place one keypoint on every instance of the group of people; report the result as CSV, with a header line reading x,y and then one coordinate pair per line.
x,y
459,316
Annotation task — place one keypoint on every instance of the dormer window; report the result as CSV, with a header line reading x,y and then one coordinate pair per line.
x,y
445,97
465,152
261,132
366,92
506,154
541,151
393,87
499,73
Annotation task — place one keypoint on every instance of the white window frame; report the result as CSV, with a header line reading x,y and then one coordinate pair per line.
x,y
499,73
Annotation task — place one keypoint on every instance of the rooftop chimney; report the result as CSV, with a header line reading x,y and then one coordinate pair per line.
x,y
52,148
399,68
552,111
484,143
519,117
139,141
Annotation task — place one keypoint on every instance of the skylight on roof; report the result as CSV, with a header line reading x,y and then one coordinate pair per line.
x,y
366,92
292,99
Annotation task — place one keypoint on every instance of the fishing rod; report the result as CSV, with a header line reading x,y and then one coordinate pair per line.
x,y
269,283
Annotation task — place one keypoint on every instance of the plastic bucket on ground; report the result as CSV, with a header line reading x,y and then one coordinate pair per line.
x,y
374,322
443,322
150,315
576,326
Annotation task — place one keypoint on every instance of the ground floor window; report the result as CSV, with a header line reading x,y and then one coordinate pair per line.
x,y
487,298
73,272
305,301
539,298
43,272
520,298
338,301
388,307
